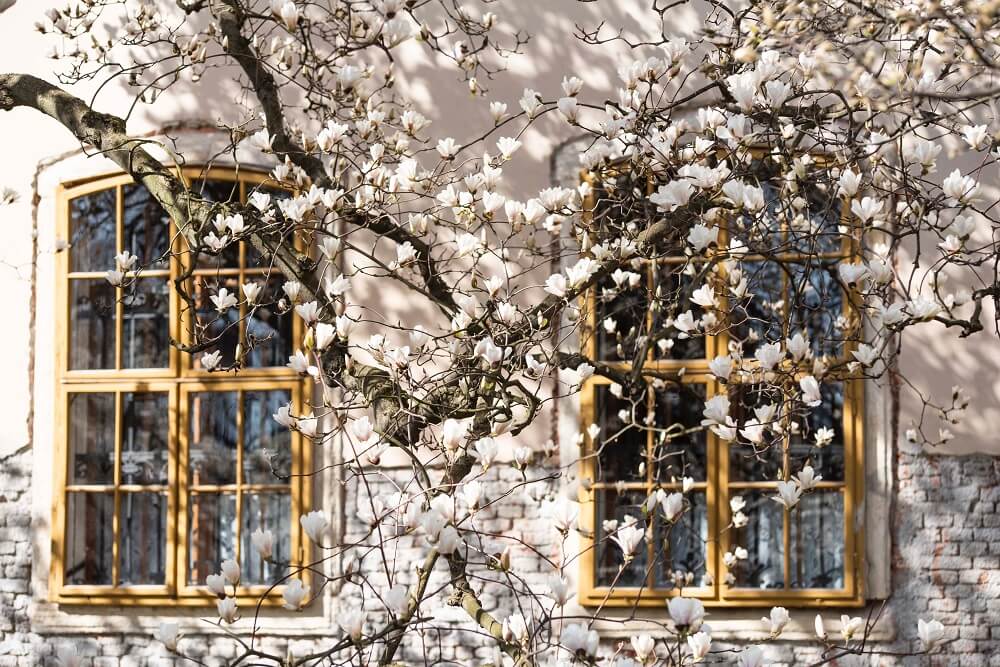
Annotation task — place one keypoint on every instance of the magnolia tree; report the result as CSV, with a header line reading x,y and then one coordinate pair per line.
x,y
788,150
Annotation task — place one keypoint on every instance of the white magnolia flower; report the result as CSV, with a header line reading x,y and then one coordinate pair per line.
x,y
752,656
743,88
673,505
976,136
769,354
295,594
930,632
644,647
721,367
263,543
352,622
169,635
811,395
508,146
850,626
231,571
819,628
960,189
227,610
777,621
577,639
789,494
486,450
325,334
514,628
701,236
289,15
560,591
867,208
314,524
628,538
807,478
564,514
849,183
224,300
699,644
687,613
251,291
453,433
308,311
216,583
672,195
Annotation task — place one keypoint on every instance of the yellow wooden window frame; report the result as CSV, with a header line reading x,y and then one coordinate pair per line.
x,y
717,486
178,380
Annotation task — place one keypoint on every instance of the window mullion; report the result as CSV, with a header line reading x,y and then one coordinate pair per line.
x,y
116,503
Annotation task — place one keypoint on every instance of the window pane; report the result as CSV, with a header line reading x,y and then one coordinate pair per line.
x,y
213,441
142,527
827,460
92,438
267,446
269,332
612,508
749,462
146,324
92,232
273,233
145,434
147,227
680,549
211,534
763,538
761,233
817,232
758,317
817,540
219,191
816,302
621,444
672,297
89,536
92,324
266,511
626,308
680,408
222,329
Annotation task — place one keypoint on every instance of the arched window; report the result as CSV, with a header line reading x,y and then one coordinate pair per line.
x,y
163,468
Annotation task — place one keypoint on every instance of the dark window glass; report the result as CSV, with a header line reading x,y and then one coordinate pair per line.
x,y
612,508
677,454
146,324
92,438
621,443
265,511
145,434
680,546
763,538
817,540
146,226
89,536
92,325
142,529
93,232
211,534
214,439
267,448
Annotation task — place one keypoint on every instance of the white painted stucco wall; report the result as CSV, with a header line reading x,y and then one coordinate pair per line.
x,y
933,358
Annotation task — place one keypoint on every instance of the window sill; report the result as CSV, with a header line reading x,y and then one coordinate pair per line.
x,y
49,618
743,625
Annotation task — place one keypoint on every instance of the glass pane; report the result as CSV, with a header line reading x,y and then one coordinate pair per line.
x,y
222,329
826,455
677,455
145,436
147,227
762,232
763,538
92,438
269,332
267,446
817,232
612,508
266,511
817,540
816,302
680,549
92,232
750,462
219,191
142,529
253,257
627,308
89,536
92,324
672,297
213,445
211,534
621,444
759,316
146,324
